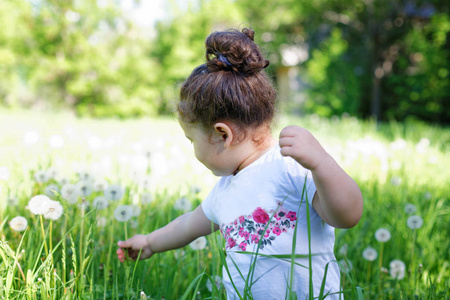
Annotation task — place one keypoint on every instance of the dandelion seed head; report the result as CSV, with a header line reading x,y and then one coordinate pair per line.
x,y
123,213
40,176
51,173
100,203
69,193
343,250
410,208
18,223
397,269
183,204
369,254
217,283
199,243
100,185
55,210
396,181
146,198
39,205
346,265
84,188
56,141
195,189
113,192
51,190
85,176
136,210
12,201
101,222
382,235
414,222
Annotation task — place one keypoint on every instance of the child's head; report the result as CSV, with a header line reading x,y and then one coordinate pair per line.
x,y
232,86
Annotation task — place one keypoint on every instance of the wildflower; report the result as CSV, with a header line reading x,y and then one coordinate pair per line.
x,y
69,192
39,204
4,173
346,265
56,141
142,295
410,208
18,223
55,210
101,221
260,215
343,250
382,235
40,176
369,254
113,192
123,213
414,222
397,269
217,283
183,204
146,198
84,188
100,203
396,181
195,189
51,190
199,243
30,138
100,185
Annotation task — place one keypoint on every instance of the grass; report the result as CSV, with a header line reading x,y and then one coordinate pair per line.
x,y
74,257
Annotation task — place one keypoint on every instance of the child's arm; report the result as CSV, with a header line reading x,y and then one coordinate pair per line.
x,y
178,233
338,200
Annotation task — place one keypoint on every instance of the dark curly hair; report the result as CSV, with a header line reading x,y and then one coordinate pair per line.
x,y
231,86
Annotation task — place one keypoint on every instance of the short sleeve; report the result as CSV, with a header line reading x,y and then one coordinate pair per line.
x,y
302,180
209,206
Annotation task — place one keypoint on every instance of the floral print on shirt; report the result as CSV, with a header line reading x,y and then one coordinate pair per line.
x,y
250,229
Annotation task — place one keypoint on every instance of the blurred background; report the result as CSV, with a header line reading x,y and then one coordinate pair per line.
x,y
384,60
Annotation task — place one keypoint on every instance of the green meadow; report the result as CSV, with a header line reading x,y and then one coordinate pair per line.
x,y
110,179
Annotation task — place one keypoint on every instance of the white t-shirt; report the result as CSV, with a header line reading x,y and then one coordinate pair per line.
x,y
262,203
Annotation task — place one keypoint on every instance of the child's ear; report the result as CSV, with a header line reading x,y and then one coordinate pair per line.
x,y
224,133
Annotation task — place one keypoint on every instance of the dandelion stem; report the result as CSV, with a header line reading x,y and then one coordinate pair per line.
x,y
43,235
380,265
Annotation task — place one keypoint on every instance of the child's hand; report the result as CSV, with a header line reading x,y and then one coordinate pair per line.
x,y
302,146
133,247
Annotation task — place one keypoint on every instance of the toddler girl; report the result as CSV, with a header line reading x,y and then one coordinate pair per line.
x,y
267,187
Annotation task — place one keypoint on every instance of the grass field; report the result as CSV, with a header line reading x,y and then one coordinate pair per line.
x,y
115,178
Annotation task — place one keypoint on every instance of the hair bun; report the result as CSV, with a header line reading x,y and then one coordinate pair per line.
x,y
234,51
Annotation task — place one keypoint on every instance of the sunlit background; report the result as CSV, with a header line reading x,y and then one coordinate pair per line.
x,y
87,91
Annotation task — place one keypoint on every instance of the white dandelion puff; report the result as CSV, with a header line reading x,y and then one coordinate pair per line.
x,y
199,243
144,182
40,176
397,269
85,176
414,222
113,192
84,188
346,265
143,295
195,189
30,138
51,173
396,181
123,213
56,141
18,224
102,221
69,193
146,198
382,235
12,201
217,283
38,205
51,190
136,210
100,185
410,208
100,203
183,204
370,254
343,250
55,210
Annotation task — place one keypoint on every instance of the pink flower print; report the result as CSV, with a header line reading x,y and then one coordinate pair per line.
x,y
243,246
231,243
241,231
229,230
292,216
246,235
277,231
260,216
241,219
255,238
280,214
267,233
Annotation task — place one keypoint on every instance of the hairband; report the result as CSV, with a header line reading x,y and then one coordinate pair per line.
x,y
222,59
